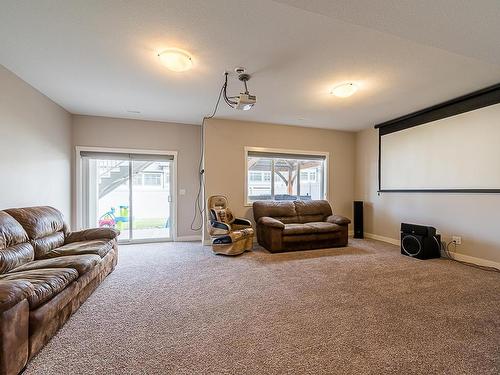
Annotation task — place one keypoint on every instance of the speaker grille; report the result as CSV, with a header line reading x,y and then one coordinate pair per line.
x,y
411,245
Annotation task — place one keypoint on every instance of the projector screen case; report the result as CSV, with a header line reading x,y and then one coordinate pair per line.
x,y
419,152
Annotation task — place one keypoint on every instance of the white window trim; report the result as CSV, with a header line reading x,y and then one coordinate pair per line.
x,y
248,149
79,177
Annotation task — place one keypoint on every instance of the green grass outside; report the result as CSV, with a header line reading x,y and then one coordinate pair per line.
x,y
147,223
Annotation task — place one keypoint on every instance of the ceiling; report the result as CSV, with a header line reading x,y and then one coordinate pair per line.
x,y
99,57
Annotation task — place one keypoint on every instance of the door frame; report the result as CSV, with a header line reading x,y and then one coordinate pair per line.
x,y
79,190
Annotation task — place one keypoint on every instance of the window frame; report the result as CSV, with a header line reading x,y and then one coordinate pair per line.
x,y
324,154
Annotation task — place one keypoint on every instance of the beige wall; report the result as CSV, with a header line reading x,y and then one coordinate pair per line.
x,y
35,147
225,159
149,135
474,217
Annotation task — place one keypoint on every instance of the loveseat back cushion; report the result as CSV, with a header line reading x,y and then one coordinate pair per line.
x,y
44,225
15,250
283,211
312,211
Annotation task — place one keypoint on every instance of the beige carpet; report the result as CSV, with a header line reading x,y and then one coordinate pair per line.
x,y
365,309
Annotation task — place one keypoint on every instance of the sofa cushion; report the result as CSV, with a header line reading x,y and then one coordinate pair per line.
x,y
38,222
15,249
324,227
96,247
44,225
312,211
46,282
283,211
296,229
81,263
13,292
310,228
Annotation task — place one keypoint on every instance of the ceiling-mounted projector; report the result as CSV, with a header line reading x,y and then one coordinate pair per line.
x,y
245,100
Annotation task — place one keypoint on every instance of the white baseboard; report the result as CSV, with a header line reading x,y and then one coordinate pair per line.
x,y
454,255
474,260
393,241
188,238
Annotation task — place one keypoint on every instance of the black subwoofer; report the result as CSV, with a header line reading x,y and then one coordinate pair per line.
x,y
419,241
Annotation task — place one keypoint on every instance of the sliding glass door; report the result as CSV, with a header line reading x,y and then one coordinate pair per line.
x,y
129,192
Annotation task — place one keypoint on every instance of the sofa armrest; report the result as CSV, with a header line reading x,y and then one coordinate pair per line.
x,y
12,292
92,234
271,222
337,219
14,325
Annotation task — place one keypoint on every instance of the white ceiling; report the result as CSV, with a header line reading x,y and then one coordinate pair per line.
x,y
99,57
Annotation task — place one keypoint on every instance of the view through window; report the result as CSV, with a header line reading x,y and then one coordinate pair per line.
x,y
128,192
279,176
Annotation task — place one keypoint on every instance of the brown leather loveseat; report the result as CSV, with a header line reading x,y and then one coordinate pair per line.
x,y
46,273
298,225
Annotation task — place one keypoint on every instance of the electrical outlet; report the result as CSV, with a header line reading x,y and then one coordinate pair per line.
x,y
457,239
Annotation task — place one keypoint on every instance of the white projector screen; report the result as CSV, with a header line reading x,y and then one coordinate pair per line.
x,y
460,152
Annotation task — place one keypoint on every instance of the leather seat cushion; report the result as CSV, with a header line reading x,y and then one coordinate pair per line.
x,y
324,227
46,282
96,247
310,228
81,263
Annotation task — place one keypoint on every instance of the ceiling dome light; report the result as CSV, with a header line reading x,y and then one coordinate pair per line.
x,y
176,59
344,90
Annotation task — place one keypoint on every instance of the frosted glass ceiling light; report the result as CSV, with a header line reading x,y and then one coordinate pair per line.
x,y
176,60
344,90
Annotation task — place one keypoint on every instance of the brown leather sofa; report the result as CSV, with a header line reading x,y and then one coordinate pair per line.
x,y
46,273
298,225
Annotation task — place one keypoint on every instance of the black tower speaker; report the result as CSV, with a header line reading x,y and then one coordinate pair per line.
x,y
358,219
420,242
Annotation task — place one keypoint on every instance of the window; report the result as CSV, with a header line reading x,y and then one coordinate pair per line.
x,y
275,175
255,176
131,192
137,179
152,179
